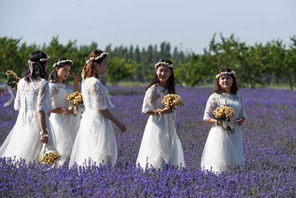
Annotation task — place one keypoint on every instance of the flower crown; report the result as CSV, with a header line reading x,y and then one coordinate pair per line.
x,y
62,62
225,72
165,64
98,57
41,59
44,59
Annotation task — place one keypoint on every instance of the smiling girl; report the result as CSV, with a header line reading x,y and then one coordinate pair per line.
x,y
160,143
63,119
224,150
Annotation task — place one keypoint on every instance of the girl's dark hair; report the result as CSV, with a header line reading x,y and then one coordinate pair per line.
x,y
53,77
89,67
37,66
234,88
170,84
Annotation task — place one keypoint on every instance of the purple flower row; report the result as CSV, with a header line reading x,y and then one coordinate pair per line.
x,y
269,137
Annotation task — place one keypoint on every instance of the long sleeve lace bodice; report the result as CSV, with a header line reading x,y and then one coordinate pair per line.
x,y
216,100
153,98
33,96
95,95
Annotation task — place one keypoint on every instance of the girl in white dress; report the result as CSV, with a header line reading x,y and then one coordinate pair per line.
x,y
223,149
95,141
32,126
160,143
63,119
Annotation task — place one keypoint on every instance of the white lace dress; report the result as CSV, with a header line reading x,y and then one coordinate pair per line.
x,y
95,141
160,143
223,150
23,140
65,126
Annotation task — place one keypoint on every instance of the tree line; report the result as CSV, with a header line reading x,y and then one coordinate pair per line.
x,y
255,65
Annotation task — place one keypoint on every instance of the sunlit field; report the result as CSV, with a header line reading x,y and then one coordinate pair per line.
x,y
269,139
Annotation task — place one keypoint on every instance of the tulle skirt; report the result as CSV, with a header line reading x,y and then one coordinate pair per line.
x,y
23,141
65,129
222,150
95,142
160,144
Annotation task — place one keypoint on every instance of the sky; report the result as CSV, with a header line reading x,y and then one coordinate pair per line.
x,y
186,24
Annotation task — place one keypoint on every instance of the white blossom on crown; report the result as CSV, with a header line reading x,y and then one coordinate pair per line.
x,y
164,64
98,57
62,62
225,72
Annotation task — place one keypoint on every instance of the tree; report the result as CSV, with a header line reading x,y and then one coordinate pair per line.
x,y
119,70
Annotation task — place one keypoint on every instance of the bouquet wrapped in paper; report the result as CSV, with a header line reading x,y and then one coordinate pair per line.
x,y
225,114
172,101
49,155
76,99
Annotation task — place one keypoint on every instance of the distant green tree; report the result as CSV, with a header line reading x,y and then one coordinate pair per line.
x,y
10,58
119,70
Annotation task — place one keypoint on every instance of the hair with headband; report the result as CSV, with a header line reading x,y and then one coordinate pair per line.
x,y
170,84
229,72
161,63
60,63
37,66
96,56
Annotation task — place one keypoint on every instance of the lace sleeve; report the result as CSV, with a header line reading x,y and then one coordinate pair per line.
x,y
150,96
99,95
242,112
43,98
17,101
53,92
210,108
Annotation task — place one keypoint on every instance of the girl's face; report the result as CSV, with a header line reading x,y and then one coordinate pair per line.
x,y
225,81
163,74
63,73
102,67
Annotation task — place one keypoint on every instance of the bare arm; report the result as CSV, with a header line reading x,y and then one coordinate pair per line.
x,y
60,111
213,121
75,82
42,124
240,121
159,111
110,116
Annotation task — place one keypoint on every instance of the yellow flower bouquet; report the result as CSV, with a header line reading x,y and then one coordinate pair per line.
x,y
49,155
225,114
13,79
172,101
76,99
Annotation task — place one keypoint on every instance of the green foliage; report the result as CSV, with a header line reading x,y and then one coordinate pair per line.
x,y
267,64
119,70
258,65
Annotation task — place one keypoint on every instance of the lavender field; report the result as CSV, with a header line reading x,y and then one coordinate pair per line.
x,y
269,138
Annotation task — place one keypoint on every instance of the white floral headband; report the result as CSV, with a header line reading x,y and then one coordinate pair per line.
x,y
225,72
62,62
44,59
41,59
165,64
98,57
